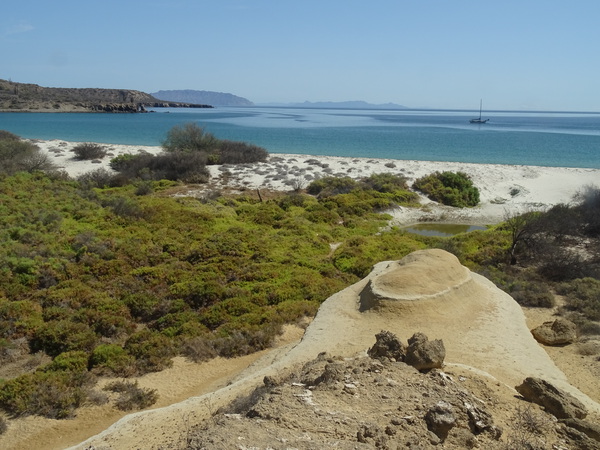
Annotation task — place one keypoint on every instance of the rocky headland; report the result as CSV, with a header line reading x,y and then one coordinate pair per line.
x,y
22,97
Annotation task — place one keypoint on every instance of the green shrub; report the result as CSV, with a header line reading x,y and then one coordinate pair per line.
x,y
19,318
152,351
73,361
121,162
89,150
58,336
111,359
175,165
51,394
386,182
450,188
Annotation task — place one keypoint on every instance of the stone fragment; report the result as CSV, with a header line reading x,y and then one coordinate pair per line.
x,y
555,401
387,345
440,419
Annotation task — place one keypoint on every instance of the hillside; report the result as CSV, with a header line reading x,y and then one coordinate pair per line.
x,y
208,97
32,97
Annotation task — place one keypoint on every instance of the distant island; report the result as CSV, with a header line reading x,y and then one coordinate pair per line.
x,y
208,97
31,97
356,104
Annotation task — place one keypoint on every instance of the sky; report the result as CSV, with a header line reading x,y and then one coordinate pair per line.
x,y
513,54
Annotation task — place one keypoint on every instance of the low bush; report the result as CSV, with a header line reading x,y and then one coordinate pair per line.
x,y
131,396
329,186
449,188
189,137
233,152
198,349
583,296
99,178
89,150
17,155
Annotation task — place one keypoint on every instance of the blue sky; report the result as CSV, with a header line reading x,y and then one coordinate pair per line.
x,y
525,54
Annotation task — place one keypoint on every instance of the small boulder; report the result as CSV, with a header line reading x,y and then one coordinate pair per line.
x,y
424,354
558,332
387,345
557,402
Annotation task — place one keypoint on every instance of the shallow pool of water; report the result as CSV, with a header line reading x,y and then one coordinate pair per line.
x,y
441,229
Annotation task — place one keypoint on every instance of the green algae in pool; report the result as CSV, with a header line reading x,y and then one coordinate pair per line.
x,y
441,229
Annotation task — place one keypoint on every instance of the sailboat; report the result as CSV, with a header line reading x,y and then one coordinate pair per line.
x,y
479,119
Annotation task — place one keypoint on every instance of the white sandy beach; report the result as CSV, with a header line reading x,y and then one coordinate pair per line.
x,y
504,189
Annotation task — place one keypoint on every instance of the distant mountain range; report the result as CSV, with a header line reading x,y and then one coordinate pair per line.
x,y
203,97
357,104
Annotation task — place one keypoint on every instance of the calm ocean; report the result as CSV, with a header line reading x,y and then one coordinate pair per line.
x,y
545,139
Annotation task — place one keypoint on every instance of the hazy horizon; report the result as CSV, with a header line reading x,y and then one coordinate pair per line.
x,y
516,56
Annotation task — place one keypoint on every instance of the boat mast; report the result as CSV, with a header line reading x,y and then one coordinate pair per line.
x,y
480,104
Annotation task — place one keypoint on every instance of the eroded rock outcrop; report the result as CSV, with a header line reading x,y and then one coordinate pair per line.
x,y
557,402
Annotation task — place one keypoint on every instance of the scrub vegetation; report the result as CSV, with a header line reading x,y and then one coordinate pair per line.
x,y
449,188
115,279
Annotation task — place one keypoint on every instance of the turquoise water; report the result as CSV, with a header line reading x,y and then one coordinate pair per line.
x,y
546,139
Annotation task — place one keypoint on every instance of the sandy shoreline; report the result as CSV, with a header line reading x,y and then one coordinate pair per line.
x,y
504,189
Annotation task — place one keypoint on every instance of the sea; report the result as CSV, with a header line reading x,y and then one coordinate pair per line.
x,y
557,139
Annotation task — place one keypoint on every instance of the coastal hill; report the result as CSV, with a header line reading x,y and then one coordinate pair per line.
x,y
32,97
208,97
